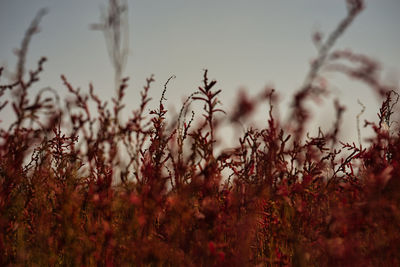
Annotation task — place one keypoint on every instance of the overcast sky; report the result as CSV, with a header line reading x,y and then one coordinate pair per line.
x,y
244,44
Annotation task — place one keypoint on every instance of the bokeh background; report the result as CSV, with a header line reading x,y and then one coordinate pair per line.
x,y
243,44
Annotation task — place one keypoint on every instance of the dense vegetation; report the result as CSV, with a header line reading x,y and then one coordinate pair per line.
x,y
83,186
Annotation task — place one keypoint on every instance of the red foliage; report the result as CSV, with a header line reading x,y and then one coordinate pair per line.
x,y
83,187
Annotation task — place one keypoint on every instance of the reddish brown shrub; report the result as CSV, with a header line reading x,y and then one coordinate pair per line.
x,y
83,187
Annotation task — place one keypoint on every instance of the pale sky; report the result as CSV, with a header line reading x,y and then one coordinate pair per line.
x,y
244,44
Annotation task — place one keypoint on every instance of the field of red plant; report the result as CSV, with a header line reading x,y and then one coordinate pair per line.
x,y
81,186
